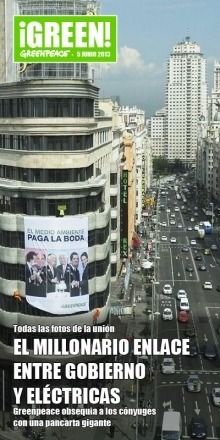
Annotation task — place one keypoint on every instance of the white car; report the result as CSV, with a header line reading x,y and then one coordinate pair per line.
x,y
193,242
173,240
164,238
196,227
167,314
167,289
194,383
176,209
168,210
184,304
172,216
179,225
172,222
207,285
201,224
168,366
163,224
189,228
181,294
216,396
192,219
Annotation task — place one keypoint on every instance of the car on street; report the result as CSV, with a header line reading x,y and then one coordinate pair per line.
x,y
173,240
189,268
198,257
176,209
167,314
164,238
192,219
196,227
185,248
214,247
209,352
193,349
163,224
207,285
198,428
183,316
207,251
202,266
189,228
216,396
190,330
180,226
194,383
184,304
181,294
172,215
167,289
193,242
172,222
168,366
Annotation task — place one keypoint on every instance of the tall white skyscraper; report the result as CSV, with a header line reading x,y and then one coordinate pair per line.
x,y
186,100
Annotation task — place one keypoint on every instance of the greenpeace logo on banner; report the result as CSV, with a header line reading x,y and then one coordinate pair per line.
x,y
65,39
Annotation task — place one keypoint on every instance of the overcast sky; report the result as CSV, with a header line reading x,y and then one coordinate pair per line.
x,y
147,31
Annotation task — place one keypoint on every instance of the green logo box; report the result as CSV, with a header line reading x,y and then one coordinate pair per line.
x,y
65,39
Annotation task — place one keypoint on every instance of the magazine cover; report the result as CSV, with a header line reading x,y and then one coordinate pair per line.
x,y
109,219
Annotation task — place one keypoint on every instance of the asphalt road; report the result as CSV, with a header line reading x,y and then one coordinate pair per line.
x,y
204,314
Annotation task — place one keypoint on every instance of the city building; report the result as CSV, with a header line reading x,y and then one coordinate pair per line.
x,y
157,133
133,120
186,100
55,168
207,166
111,109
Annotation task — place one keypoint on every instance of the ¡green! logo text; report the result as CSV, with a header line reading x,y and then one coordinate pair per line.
x,y
68,39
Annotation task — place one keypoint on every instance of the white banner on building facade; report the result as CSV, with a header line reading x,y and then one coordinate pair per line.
x,y
56,269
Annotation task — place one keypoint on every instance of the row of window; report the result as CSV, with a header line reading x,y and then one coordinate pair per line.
x,y
46,143
17,271
47,108
46,175
58,70
21,205
15,239
9,304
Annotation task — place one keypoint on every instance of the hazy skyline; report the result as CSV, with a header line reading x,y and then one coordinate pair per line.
x,y
147,31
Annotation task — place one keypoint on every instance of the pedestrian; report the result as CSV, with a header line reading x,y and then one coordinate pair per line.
x,y
112,430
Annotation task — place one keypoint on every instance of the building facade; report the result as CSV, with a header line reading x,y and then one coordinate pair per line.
x,y
207,166
55,156
157,133
186,100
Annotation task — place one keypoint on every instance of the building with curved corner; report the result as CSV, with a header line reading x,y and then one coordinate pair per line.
x,y
55,155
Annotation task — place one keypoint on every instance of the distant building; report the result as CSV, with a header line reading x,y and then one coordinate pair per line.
x,y
156,133
186,100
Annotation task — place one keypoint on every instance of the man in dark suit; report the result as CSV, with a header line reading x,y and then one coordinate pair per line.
x,y
63,271
30,261
84,283
74,274
37,286
52,279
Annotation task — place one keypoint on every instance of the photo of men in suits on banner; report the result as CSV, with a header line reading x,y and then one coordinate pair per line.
x,y
56,268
